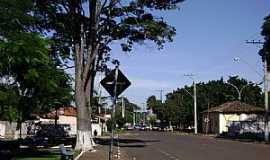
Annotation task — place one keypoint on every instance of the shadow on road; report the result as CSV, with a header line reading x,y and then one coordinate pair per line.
x,y
124,142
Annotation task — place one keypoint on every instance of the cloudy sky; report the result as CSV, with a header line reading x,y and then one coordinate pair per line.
x,y
210,34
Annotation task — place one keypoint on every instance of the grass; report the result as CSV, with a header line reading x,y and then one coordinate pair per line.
x,y
42,154
37,154
49,157
119,131
76,153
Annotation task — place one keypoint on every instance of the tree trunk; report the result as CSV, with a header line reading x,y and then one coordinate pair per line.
x,y
88,97
84,78
83,141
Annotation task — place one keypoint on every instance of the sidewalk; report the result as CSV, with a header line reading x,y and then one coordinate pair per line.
x,y
101,153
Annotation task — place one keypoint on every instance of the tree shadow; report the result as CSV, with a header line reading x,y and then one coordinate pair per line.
x,y
34,147
7,151
124,142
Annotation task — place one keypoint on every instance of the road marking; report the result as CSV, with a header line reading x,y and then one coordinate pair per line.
x,y
172,157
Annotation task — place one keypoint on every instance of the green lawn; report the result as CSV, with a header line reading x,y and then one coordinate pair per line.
x,y
48,157
37,154
41,154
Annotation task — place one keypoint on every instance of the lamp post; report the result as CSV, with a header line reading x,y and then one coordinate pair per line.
x,y
239,91
195,102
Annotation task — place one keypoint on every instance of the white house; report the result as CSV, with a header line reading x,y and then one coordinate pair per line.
x,y
67,116
220,119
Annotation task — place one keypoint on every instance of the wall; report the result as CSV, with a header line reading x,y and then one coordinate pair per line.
x,y
226,119
97,127
11,131
72,121
212,126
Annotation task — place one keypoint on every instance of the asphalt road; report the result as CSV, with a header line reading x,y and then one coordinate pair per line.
x,y
142,145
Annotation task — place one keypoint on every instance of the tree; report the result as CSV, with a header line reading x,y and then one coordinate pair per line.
x,y
8,99
30,79
265,51
178,106
157,107
129,110
85,29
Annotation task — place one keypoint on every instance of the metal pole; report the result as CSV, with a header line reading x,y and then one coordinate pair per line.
x,y
113,112
266,126
236,88
123,108
99,103
161,98
133,118
195,109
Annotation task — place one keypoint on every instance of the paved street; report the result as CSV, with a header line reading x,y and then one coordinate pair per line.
x,y
168,146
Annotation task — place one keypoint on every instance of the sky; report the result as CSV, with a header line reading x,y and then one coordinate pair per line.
x,y
210,34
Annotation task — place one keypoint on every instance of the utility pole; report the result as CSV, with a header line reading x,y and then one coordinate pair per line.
x,y
161,94
195,108
195,102
266,132
134,118
144,112
99,99
265,79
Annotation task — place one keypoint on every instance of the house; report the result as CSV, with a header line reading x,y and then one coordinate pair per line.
x,y
234,116
64,116
67,117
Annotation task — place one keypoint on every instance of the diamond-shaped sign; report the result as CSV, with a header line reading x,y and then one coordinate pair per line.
x,y
109,82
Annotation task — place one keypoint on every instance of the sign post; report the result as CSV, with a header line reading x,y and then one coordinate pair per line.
x,y
114,83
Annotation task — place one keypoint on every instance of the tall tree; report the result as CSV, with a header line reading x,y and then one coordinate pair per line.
x,y
178,107
86,30
266,33
27,71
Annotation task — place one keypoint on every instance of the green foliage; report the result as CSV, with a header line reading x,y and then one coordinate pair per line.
x,y
178,107
266,33
109,124
30,79
152,118
129,109
127,22
8,99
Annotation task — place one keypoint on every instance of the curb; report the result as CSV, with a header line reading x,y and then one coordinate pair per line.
x,y
78,156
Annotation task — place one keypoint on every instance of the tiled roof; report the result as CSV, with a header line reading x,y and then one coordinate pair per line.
x,y
65,111
235,107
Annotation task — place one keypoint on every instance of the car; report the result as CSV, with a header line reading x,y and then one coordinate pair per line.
x,y
142,128
147,128
156,128
129,128
137,127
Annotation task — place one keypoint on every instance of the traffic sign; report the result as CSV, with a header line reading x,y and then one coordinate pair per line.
x,y
109,82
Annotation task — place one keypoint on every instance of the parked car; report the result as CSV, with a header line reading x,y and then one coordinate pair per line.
x,y
142,128
156,128
129,128
148,128
137,127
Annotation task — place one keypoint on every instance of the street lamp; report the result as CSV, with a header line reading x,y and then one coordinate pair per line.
x,y
239,91
191,76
